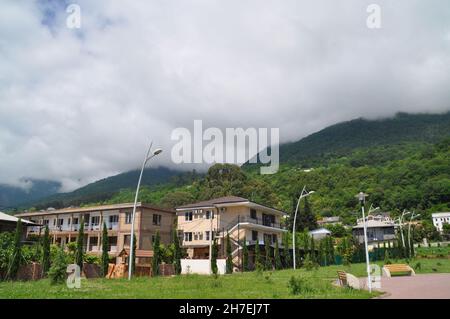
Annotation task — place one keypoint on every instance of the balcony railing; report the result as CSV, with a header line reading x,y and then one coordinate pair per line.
x,y
112,226
257,221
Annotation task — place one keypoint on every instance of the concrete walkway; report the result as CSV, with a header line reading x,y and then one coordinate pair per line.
x,y
427,286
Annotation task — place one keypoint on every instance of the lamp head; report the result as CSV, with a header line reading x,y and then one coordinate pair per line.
x,y
157,151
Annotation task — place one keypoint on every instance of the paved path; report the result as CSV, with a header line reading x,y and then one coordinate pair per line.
x,y
427,286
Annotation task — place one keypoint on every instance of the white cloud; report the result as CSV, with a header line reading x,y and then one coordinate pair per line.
x,y
76,106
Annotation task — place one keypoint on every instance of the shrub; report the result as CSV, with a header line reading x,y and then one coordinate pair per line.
x,y
418,266
300,285
91,259
57,272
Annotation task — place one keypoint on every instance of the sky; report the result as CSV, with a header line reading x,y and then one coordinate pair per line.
x,y
77,105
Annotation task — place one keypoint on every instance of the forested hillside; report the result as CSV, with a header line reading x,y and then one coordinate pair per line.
x,y
343,138
402,163
405,176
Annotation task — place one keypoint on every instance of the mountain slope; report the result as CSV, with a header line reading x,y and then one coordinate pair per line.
x,y
105,188
11,196
342,138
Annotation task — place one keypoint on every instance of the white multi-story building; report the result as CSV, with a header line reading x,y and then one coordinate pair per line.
x,y
439,219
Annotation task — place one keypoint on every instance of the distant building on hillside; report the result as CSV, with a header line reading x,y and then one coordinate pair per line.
x,y
439,219
329,221
319,233
380,228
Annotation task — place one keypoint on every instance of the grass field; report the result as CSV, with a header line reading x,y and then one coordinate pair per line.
x,y
318,284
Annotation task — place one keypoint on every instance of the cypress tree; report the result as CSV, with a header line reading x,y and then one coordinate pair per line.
x,y
286,253
278,264
321,254
14,262
258,262
156,261
268,259
229,263
245,266
177,253
313,250
331,259
214,257
46,252
79,255
105,249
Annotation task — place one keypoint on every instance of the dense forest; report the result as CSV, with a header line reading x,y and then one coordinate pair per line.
x,y
413,176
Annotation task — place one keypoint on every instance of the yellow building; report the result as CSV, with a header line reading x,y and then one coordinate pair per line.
x,y
243,220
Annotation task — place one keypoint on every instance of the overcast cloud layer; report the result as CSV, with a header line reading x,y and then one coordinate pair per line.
x,y
79,105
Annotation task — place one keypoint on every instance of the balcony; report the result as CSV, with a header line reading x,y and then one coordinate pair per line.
x,y
112,226
91,227
256,221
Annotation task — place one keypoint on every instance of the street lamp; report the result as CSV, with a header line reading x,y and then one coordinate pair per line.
x,y
404,213
148,156
304,193
409,233
362,200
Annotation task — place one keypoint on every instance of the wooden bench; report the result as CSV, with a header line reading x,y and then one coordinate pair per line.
x,y
348,280
398,269
342,277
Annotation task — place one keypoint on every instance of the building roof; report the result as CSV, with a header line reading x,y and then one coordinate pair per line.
x,y
92,208
443,214
374,223
319,231
13,219
331,219
216,201
226,200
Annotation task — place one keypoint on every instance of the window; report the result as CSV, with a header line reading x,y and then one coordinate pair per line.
x,y
45,222
114,219
207,235
195,236
60,222
188,216
254,235
188,236
95,220
274,238
126,240
253,213
157,219
209,214
54,222
128,217
75,221
200,236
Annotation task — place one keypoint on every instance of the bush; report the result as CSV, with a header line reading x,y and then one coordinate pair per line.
x,y
57,272
300,286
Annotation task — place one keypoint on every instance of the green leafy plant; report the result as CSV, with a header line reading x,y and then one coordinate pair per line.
x,y
300,286
57,272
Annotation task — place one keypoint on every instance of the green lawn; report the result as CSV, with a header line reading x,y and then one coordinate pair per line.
x,y
247,285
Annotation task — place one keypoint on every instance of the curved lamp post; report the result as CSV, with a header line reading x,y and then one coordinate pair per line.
x,y
304,193
148,156
362,200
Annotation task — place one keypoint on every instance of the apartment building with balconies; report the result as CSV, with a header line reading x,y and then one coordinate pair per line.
x,y
64,225
199,223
